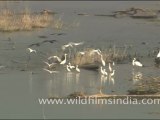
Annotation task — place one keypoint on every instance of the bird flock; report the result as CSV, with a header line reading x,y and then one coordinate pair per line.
x,y
106,73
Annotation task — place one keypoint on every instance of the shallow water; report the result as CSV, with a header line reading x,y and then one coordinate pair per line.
x,y
20,89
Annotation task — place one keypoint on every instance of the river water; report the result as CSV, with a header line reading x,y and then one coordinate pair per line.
x,y
20,89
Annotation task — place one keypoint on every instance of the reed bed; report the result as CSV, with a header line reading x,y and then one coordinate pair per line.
x,y
110,55
9,21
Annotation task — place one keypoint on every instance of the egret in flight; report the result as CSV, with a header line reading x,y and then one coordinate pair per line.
x,y
95,51
59,60
76,44
49,65
66,46
31,50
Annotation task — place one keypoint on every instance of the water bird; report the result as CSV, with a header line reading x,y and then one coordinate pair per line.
x,y
71,66
110,68
77,69
68,68
103,62
136,63
76,44
66,46
82,53
112,74
95,51
102,71
64,61
50,71
31,50
49,65
105,72
158,55
59,60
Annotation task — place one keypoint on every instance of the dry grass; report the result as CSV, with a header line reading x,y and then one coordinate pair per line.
x,y
12,22
108,55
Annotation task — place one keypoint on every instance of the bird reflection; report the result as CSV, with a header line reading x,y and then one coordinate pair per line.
x,y
103,79
77,77
111,80
69,77
136,76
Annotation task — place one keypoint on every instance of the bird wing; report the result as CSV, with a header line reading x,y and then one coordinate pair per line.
x,y
46,70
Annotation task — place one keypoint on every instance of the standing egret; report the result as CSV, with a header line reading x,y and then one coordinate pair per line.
x,y
31,50
77,69
113,63
103,62
102,71
71,66
112,74
105,72
136,63
64,61
110,68
68,68
158,55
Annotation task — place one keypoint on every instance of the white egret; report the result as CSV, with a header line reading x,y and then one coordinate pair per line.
x,y
68,68
95,51
58,59
49,65
71,66
110,68
102,71
51,71
64,61
76,44
136,63
66,46
158,55
77,69
105,72
31,50
112,74
82,53
103,62
113,63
